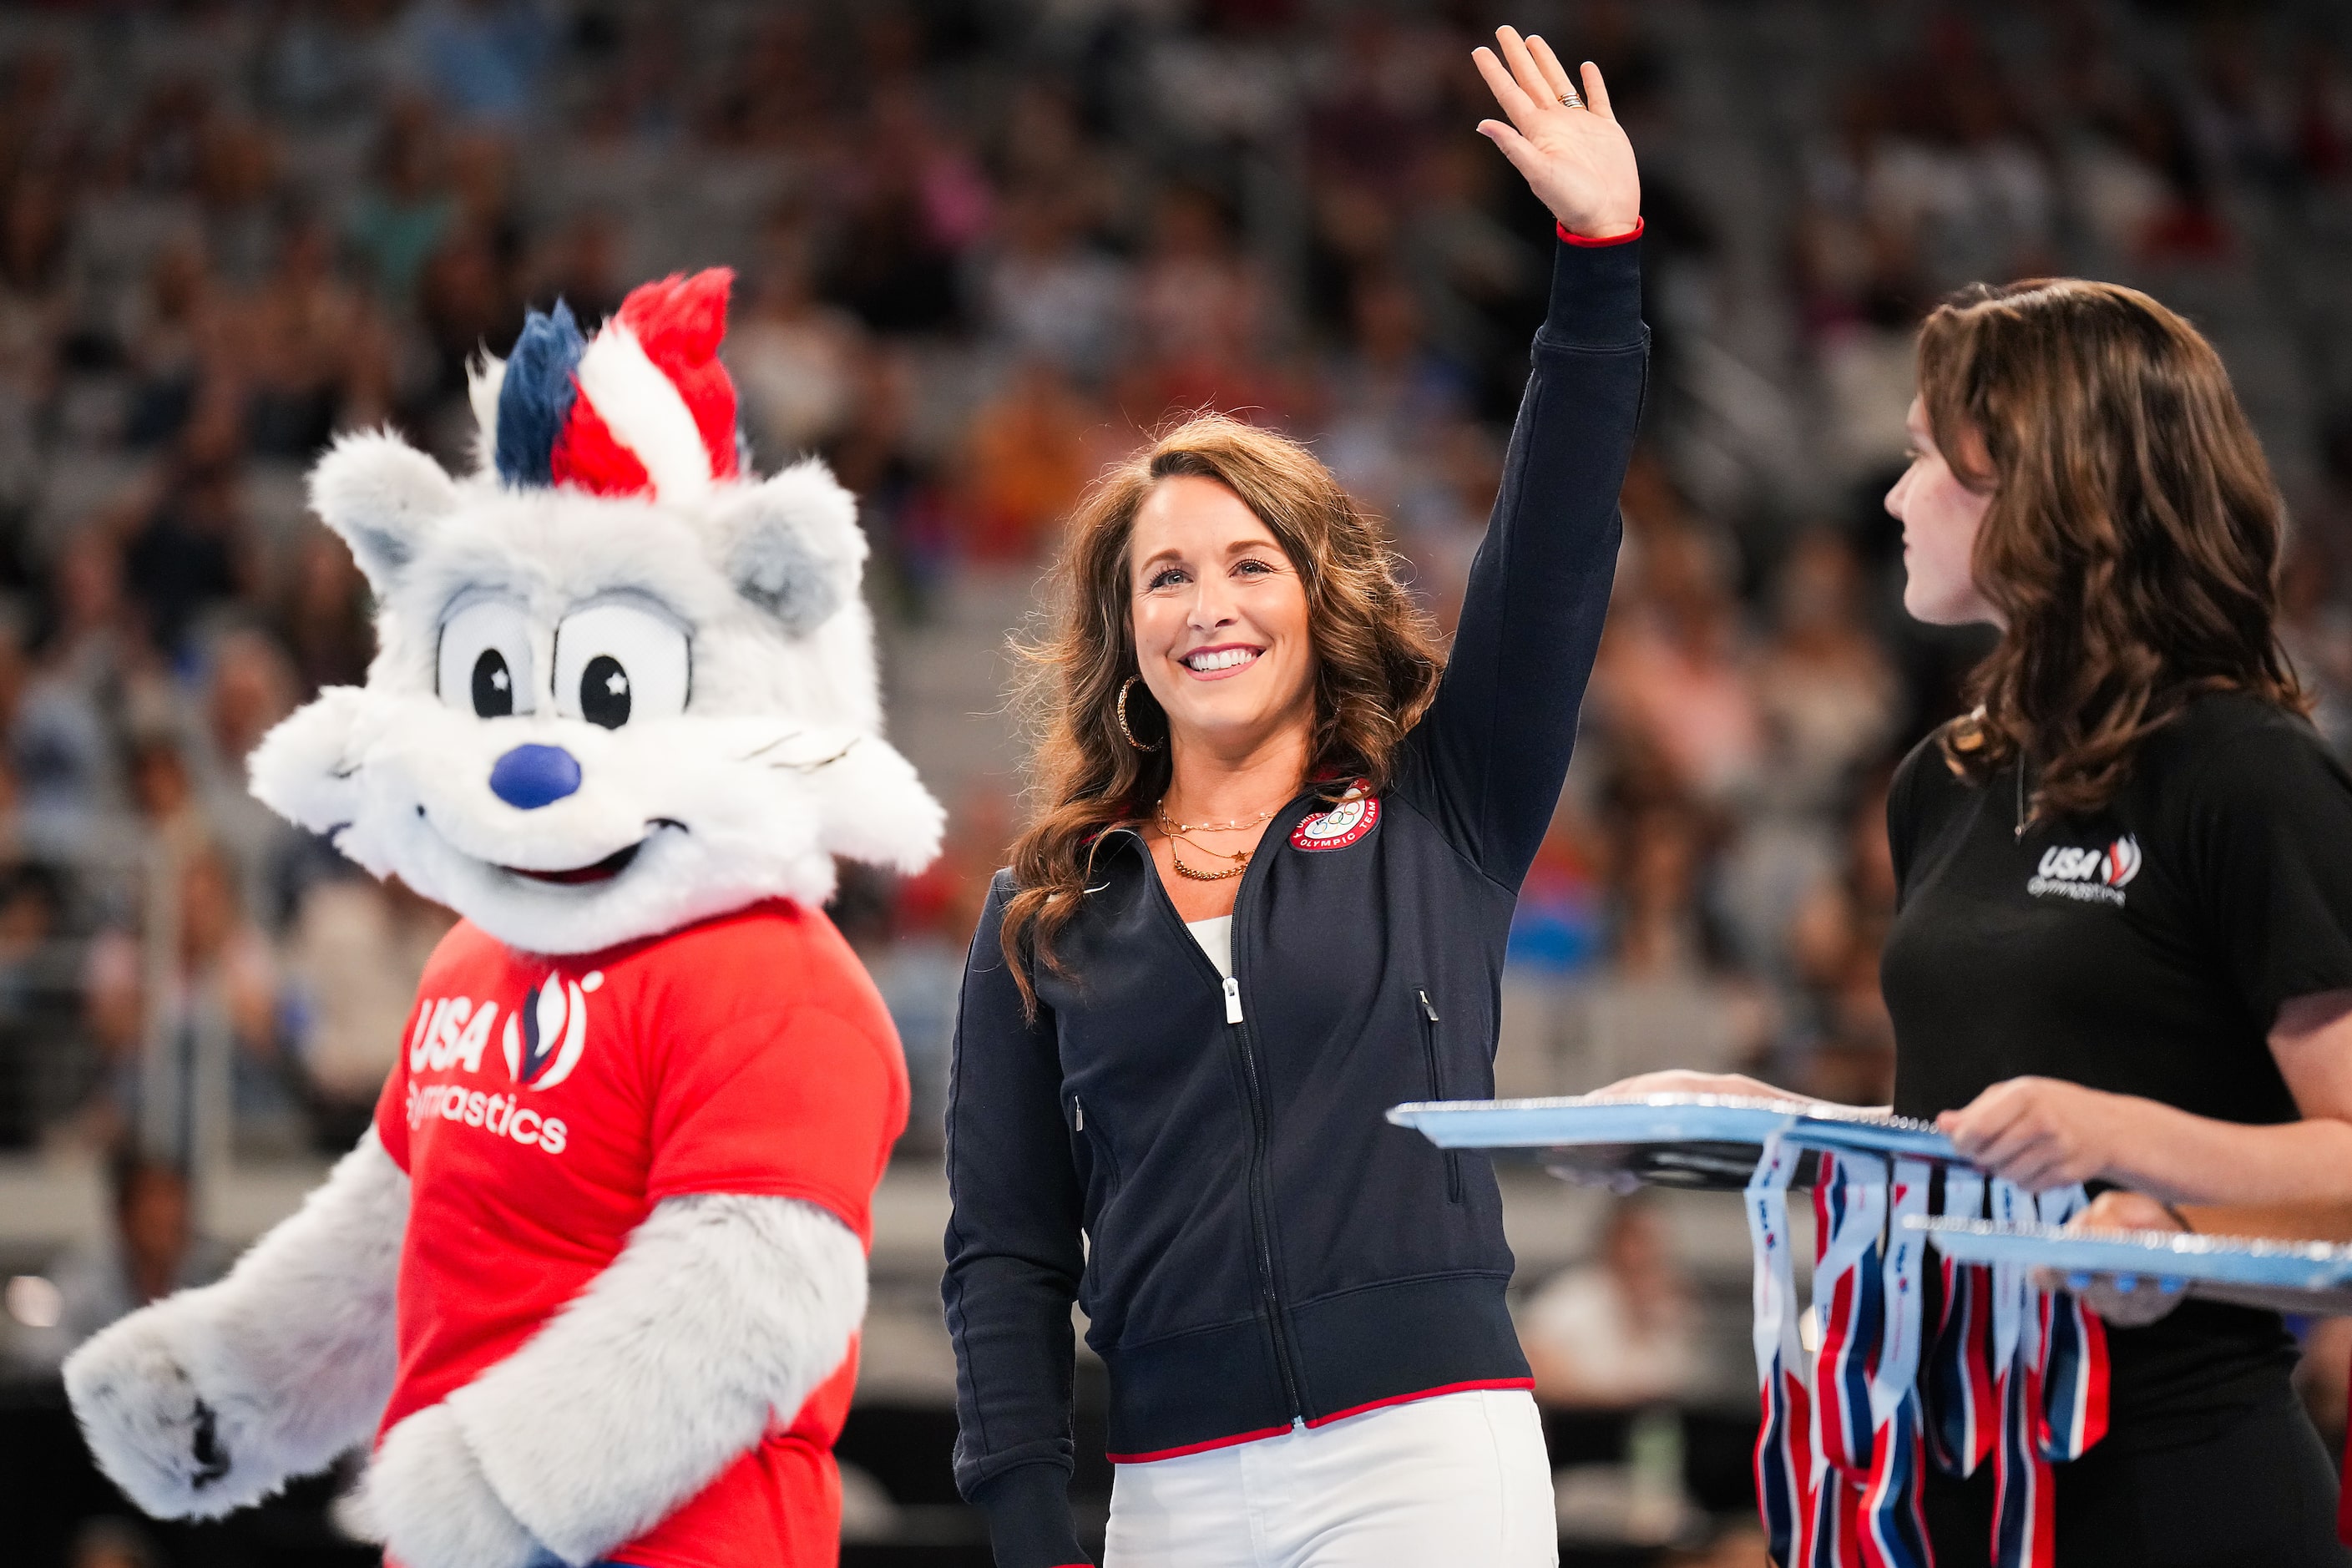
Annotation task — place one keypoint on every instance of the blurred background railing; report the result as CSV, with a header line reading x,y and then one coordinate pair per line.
x,y
983,246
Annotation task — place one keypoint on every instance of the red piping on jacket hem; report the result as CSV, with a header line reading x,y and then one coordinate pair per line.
x,y
1495,1383
1488,1383
1196,1448
1577,239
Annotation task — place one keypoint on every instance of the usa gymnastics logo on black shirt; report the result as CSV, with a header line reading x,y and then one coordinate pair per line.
x,y
2087,876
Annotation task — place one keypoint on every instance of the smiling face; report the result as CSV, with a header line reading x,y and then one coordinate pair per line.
x,y
1940,516
1219,615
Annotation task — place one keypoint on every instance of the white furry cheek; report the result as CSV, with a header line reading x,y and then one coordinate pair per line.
x,y
305,767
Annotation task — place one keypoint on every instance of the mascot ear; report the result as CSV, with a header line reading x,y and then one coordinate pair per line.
x,y
384,497
791,545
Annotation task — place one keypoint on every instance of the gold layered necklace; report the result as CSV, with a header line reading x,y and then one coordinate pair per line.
x,y
1177,831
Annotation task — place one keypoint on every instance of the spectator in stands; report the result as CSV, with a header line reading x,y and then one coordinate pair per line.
x,y
1672,677
1030,450
189,546
1664,996
1621,1331
795,358
1393,402
311,354
1045,294
218,1008
403,212
1826,694
914,204
355,950
481,58
248,687
322,614
38,1011
1205,320
151,1250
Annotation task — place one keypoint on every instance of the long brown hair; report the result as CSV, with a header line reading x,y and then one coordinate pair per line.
x,y
1377,658
2133,537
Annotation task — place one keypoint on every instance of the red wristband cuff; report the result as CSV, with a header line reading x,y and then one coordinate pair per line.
x,y
1577,239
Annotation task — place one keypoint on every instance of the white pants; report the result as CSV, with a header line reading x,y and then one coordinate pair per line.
x,y
1461,1478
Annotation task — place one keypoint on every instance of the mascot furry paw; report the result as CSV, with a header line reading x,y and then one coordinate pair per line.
x,y
595,1278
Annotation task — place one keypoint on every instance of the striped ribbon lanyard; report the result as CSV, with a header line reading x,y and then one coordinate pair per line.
x,y
2010,1374
1962,1412
1893,1532
2047,1357
1784,1454
1849,1306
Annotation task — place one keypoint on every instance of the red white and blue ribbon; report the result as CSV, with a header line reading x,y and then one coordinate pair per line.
x,y
1784,1462
2010,1374
1893,1532
1962,1408
2073,1414
1849,1309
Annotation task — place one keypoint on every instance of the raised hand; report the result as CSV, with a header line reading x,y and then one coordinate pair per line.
x,y
1564,140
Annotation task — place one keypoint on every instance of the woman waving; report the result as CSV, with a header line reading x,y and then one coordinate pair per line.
x,y
1266,899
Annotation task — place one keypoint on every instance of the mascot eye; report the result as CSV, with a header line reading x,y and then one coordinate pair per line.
x,y
493,685
486,660
614,663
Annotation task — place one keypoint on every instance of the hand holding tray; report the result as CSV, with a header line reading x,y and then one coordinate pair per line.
x,y
1672,1139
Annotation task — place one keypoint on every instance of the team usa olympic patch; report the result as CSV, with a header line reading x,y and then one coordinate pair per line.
x,y
1341,826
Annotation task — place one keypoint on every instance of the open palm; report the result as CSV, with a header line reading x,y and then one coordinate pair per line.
x,y
1576,160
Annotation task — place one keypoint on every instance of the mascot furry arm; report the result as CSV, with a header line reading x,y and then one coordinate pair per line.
x,y
208,1401
623,688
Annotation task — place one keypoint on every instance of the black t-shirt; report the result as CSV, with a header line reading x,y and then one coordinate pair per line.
x,y
2143,950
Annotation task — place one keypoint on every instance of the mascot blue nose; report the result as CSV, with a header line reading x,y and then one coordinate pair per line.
x,y
531,776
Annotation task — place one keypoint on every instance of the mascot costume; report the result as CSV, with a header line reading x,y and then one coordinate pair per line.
x,y
594,1279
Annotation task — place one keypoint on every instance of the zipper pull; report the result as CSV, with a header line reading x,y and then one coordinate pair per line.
x,y
1428,1009
1233,1001
1077,1115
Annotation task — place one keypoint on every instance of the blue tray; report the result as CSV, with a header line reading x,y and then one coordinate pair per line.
x,y
1676,1140
2170,1258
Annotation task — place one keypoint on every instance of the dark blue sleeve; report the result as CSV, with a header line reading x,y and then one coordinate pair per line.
x,y
1486,761
1013,1261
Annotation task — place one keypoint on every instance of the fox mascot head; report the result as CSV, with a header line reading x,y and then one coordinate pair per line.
x,y
623,684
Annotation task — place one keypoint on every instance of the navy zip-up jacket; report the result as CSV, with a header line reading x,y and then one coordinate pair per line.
x,y
1262,1247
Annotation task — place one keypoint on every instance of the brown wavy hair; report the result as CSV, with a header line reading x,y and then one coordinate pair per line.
x,y
2132,539
1377,658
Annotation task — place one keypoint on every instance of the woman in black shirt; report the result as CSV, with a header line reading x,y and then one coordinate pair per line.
x,y
2123,952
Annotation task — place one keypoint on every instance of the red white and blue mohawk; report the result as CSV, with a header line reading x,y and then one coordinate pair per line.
x,y
643,408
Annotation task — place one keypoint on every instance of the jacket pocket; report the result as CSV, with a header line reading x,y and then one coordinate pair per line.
x,y
1425,1015
1101,1165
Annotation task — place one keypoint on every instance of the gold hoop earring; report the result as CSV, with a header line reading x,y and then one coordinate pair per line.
x,y
1122,718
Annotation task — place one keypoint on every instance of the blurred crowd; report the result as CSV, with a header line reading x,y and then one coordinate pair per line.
x,y
983,246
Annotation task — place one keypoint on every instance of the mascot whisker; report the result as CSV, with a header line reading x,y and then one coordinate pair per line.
x,y
593,1282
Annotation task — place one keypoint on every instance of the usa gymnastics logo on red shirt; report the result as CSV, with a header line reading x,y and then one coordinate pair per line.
x,y
544,1042
2095,876
546,1035
1343,825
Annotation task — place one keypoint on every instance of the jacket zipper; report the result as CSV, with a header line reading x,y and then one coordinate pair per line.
x,y
1437,1089
1260,1229
1258,1205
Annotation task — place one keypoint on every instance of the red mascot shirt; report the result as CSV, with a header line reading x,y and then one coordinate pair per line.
x,y
542,1107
